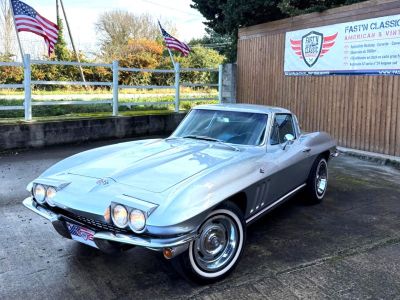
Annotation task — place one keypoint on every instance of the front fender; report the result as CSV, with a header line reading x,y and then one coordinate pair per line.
x,y
198,196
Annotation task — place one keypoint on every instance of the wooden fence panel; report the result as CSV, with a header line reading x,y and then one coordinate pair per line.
x,y
361,112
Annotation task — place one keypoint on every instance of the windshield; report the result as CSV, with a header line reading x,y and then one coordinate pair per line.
x,y
227,126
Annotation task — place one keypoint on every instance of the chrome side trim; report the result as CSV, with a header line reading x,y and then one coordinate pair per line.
x,y
272,205
153,243
41,211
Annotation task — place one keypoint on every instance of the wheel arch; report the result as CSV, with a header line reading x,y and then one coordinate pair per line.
x,y
326,154
239,199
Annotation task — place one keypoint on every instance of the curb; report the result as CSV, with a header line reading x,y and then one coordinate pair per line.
x,y
383,159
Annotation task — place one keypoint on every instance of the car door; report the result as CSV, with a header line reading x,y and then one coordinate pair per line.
x,y
287,160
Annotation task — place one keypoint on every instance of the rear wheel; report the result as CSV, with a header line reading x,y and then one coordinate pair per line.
x,y
317,182
216,252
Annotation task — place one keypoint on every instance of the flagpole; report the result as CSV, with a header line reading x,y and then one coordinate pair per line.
x,y
16,31
169,50
57,11
72,41
172,58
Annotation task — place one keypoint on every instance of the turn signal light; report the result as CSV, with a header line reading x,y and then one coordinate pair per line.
x,y
168,253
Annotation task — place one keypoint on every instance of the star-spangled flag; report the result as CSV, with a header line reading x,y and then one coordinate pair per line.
x,y
173,43
29,20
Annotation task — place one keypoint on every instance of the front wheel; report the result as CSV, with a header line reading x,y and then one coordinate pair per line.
x,y
317,182
216,252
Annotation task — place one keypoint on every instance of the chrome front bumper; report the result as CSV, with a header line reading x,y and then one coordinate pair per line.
x,y
147,242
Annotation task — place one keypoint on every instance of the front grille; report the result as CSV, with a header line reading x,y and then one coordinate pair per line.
x,y
91,223
99,225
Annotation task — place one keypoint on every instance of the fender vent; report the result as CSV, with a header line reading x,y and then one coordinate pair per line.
x,y
260,196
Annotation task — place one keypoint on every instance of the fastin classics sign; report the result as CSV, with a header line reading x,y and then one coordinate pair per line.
x,y
367,47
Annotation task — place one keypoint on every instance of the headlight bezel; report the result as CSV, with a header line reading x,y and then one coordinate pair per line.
x,y
49,200
143,214
130,211
41,200
113,218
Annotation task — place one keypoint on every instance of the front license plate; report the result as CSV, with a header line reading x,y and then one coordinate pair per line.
x,y
81,234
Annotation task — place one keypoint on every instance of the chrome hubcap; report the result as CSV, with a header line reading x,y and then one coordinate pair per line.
x,y
217,243
322,178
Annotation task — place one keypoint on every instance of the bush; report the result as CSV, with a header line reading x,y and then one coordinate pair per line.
x,y
10,75
201,57
140,53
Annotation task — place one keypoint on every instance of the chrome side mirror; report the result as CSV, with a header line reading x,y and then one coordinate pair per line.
x,y
289,139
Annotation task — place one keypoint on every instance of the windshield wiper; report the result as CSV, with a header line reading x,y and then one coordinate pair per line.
x,y
207,138
201,137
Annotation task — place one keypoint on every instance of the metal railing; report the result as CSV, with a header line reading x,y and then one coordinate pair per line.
x,y
114,85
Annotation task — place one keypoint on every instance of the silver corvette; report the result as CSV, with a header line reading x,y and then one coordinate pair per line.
x,y
191,195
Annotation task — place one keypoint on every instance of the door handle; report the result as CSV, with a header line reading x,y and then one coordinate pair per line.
x,y
305,150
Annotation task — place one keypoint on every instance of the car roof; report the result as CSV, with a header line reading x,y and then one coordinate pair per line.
x,y
253,108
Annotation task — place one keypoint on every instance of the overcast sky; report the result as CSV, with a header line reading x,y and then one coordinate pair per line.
x,y
82,15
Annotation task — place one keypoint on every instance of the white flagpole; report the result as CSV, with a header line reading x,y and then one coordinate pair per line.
x,y
16,31
72,41
172,58
169,50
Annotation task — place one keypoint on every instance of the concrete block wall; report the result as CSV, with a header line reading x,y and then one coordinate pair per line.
x,y
41,134
229,83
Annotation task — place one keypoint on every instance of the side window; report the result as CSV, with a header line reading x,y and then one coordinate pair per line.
x,y
283,124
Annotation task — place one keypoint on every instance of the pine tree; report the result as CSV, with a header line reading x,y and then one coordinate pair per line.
x,y
61,51
225,17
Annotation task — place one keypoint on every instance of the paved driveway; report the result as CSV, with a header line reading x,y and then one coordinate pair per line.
x,y
347,247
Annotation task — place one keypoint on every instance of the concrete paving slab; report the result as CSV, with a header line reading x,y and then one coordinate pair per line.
x,y
348,247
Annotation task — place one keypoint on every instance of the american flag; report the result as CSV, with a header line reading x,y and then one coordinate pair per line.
x,y
28,19
173,43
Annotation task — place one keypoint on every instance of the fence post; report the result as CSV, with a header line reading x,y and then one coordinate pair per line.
x,y
220,70
177,86
115,87
27,87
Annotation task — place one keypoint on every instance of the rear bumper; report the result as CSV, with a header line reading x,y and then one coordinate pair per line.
x,y
335,153
58,222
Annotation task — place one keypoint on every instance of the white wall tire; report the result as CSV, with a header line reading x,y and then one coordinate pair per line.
x,y
211,257
321,179
317,182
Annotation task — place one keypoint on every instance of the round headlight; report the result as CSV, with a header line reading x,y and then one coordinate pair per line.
x,y
120,216
39,192
137,220
50,194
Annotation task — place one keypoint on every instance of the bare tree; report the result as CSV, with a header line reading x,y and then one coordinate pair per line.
x,y
115,28
6,28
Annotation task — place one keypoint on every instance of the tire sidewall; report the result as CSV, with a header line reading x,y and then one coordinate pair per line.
x,y
320,162
185,264
206,275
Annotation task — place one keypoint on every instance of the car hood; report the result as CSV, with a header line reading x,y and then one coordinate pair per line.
x,y
155,166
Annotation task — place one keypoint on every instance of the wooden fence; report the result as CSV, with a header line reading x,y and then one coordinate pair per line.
x,y
361,112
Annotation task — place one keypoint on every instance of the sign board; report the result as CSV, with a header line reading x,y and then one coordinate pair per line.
x,y
367,47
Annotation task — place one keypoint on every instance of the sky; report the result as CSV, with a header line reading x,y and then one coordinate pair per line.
x,y
83,14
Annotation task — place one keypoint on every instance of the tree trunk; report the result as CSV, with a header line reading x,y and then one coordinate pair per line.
x,y
7,46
